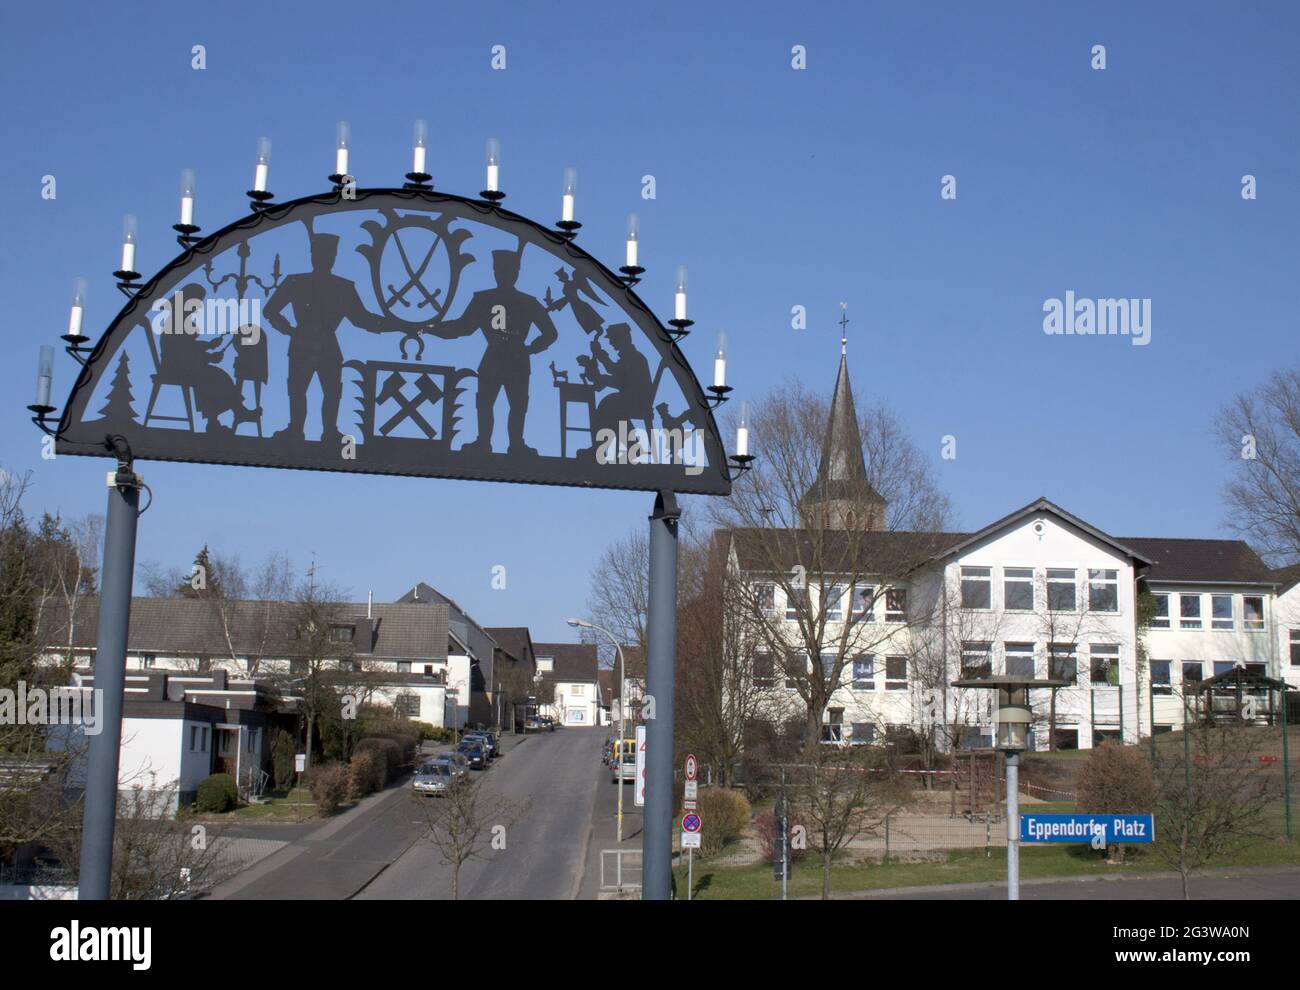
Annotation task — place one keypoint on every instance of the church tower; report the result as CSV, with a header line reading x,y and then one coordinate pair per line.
x,y
841,497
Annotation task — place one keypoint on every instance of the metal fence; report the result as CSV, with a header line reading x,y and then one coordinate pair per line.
x,y
620,870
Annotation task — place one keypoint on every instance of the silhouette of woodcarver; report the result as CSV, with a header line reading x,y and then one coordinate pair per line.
x,y
185,358
628,376
321,301
505,315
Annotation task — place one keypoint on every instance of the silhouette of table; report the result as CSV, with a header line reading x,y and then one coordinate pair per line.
x,y
579,393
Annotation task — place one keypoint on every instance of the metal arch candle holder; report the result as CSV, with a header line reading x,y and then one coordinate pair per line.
x,y
680,328
418,180
493,196
339,180
126,282
78,347
741,463
719,395
260,199
186,234
568,228
631,274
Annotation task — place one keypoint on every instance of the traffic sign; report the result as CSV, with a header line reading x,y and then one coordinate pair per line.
x,y
691,822
692,767
692,790
689,804
691,840
1086,828
638,785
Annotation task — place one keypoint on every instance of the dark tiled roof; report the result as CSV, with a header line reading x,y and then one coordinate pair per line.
x,y
514,640
1286,577
606,678
839,551
573,661
193,627
1209,561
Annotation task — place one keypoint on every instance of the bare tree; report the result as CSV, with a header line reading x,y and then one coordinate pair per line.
x,y
465,822
620,592
1260,436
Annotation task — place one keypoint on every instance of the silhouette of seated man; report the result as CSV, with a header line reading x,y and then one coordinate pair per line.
x,y
505,315
321,301
187,358
628,376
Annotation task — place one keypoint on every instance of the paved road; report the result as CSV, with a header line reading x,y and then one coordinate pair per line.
x,y
1263,884
558,775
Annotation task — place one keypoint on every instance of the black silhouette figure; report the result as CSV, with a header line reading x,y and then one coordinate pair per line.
x,y
187,358
321,301
504,315
574,288
629,377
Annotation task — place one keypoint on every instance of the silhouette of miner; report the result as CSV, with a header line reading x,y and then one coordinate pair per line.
x,y
321,300
505,315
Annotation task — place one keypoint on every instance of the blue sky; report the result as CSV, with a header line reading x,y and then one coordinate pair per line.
x,y
777,187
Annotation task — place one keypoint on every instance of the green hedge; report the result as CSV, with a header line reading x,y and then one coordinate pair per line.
x,y
217,794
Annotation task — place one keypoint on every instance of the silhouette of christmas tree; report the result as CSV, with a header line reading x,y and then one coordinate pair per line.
x,y
118,407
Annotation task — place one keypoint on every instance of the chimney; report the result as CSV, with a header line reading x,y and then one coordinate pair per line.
x,y
416,592
370,604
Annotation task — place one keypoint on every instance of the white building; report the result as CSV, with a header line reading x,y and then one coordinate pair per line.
x,y
1038,593
571,668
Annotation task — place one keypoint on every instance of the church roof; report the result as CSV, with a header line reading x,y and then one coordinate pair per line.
x,y
842,473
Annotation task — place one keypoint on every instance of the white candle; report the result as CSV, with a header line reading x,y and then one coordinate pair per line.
x,y
680,308
341,161
568,208
631,252
259,178
420,146
187,211
128,256
417,160
74,321
719,371
263,164
742,441
494,178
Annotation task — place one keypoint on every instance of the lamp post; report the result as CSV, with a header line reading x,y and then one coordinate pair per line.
x,y
622,709
1012,719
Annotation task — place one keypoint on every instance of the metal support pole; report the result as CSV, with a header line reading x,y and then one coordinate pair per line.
x,y
1152,699
661,648
1121,714
1286,765
1013,826
100,813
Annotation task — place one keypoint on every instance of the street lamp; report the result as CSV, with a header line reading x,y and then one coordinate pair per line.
x,y
622,710
1012,738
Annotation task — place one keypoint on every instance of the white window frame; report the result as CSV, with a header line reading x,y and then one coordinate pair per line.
x,y
1159,621
979,580
1022,575
1228,624
863,683
1253,625
1072,582
1191,621
834,602
1030,654
1097,578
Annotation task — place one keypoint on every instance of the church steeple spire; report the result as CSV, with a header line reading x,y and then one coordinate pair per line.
x,y
841,496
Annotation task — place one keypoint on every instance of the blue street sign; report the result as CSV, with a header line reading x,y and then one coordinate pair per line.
x,y
1084,828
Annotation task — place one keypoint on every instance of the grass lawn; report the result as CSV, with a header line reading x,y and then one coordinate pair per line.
x,y
294,805
960,866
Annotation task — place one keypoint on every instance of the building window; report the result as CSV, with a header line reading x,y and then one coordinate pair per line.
x,y
895,673
864,602
833,729
1103,591
403,666
428,670
1020,659
1189,611
977,587
834,599
864,734
1252,613
1018,588
798,663
407,704
546,664
1160,677
1295,647
1104,667
864,672
194,738
203,739
765,598
1062,663
342,634
828,665
1223,666
795,599
764,670
298,667
896,605
976,659
1060,589
578,690
351,666
147,661
1160,612
1221,612
1193,671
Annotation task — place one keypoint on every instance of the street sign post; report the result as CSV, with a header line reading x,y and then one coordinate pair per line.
x,y
692,767
691,838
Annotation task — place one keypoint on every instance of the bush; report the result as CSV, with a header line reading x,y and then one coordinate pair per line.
x,y
217,793
329,785
433,733
389,750
726,814
765,824
1116,779
367,772
282,760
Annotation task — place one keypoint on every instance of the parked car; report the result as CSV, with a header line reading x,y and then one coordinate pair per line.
x,y
548,723
455,762
434,779
622,764
475,751
534,723
489,739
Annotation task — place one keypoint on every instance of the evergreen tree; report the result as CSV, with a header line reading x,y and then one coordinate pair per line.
x,y
203,581
118,407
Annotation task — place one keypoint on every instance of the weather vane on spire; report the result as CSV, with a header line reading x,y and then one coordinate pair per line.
x,y
844,327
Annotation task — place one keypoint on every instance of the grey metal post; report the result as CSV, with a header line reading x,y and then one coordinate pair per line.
x,y
661,636
1013,826
100,813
